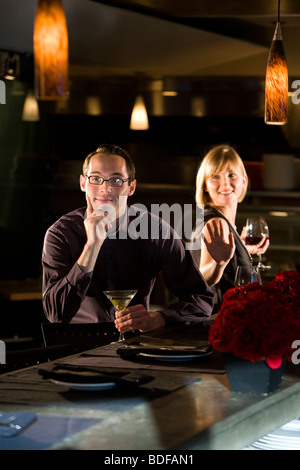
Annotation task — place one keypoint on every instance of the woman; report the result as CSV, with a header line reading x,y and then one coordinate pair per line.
x,y
220,185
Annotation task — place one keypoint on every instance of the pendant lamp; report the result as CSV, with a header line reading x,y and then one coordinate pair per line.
x,y
139,117
276,85
170,87
10,67
30,108
51,51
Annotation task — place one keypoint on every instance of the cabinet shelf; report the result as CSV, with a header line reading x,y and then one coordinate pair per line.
x,y
284,248
275,194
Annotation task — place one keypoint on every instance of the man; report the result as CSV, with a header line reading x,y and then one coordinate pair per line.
x,y
108,246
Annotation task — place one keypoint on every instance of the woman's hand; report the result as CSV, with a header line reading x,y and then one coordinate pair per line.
x,y
257,249
216,244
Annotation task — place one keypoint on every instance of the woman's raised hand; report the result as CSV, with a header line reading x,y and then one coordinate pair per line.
x,y
219,248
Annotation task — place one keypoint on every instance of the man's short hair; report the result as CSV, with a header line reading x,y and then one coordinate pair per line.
x,y
111,149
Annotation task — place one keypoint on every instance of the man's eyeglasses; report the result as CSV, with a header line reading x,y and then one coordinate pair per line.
x,y
115,182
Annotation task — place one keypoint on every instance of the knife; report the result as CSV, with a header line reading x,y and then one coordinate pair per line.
x,y
68,374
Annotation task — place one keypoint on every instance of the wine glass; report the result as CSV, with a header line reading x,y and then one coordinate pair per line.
x,y
245,275
120,299
257,229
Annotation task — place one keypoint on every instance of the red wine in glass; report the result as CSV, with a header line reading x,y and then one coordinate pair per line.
x,y
252,240
257,229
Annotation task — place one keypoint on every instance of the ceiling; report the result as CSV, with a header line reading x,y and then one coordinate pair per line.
x,y
214,49
195,38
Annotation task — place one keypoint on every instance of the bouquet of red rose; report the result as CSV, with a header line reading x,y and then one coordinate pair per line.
x,y
259,322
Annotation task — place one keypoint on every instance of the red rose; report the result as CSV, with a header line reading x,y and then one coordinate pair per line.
x,y
257,322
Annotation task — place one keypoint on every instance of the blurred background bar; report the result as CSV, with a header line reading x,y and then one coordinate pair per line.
x,y
212,55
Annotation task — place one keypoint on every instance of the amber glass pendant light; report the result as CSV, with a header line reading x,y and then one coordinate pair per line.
x,y
276,85
139,117
31,108
51,51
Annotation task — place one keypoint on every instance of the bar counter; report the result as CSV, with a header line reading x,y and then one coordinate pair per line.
x,y
179,410
16,290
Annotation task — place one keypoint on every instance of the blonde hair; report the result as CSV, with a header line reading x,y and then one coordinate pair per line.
x,y
214,161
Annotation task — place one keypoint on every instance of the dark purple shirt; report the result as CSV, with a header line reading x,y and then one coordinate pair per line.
x,y
124,262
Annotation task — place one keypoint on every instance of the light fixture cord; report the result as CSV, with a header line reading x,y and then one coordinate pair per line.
x,y
278,14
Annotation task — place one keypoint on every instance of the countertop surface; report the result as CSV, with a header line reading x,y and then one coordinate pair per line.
x,y
188,406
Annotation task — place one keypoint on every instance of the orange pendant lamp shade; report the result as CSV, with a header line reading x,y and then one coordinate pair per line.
x,y
51,51
276,85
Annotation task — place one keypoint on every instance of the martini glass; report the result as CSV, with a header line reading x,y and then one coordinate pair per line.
x,y
120,299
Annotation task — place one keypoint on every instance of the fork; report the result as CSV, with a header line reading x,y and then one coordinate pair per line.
x,y
12,423
9,422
